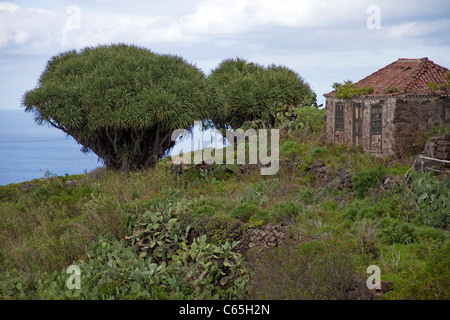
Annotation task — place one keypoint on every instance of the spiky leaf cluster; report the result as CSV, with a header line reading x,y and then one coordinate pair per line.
x,y
248,91
120,101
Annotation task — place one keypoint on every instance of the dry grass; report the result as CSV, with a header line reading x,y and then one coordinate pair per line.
x,y
302,272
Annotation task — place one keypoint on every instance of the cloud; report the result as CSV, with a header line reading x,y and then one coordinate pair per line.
x,y
20,26
8,6
422,31
237,16
38,31
221,24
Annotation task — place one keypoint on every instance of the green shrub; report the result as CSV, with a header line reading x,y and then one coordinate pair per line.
x,y
345,90
8,193
309,118
292,149
69,195
286,211
427,281
16,285
114,270
223,171
304,119
204,211
245,211
329,206
394,231
306,195
318,150
348,90
364,233
432,199
215,272
367,208
219,229
365,90
158,234
366,179
433,86
426,232
257,192
390,89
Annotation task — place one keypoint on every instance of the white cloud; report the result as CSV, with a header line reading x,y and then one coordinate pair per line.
x,y
241,16
218,16
237,16
19,26
420,30
223,24
37,31
400,31
8,6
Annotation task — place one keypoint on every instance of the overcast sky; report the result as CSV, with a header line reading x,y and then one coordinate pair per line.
x,y
324,41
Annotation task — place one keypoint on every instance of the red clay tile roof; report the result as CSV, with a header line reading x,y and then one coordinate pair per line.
x,y
407,75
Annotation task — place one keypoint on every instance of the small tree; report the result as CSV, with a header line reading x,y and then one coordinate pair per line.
x,y
121,102
348,90
433,86
248,91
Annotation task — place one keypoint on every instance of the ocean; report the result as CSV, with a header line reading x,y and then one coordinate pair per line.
x,y
29,151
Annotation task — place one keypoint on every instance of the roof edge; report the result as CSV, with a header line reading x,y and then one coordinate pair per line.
x,y
423,62
395,95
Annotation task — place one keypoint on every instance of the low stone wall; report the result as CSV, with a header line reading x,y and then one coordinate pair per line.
x,y
441,146
438,148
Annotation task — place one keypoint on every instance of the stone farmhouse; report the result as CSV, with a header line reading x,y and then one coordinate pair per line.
x,y
400,108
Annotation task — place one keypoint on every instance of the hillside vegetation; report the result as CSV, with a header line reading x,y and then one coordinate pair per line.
x,y
227,232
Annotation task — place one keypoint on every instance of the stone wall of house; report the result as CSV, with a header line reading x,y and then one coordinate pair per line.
x,y
376,143
329,120
338,137
413,116
379,143
404,120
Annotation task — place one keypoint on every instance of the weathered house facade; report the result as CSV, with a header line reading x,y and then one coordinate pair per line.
x,y
382,123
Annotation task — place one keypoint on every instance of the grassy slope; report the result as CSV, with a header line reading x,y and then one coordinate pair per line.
x,y
47,224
